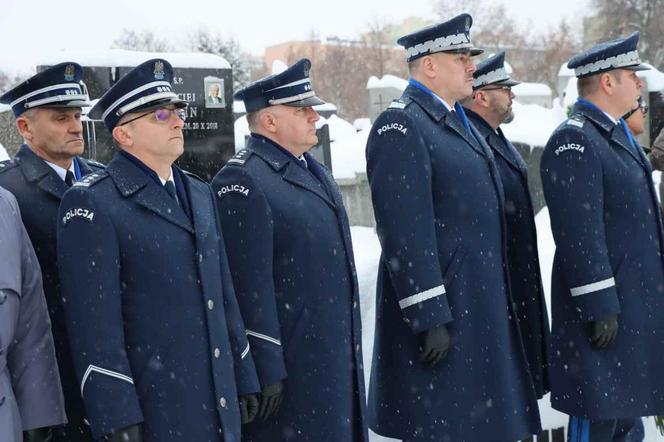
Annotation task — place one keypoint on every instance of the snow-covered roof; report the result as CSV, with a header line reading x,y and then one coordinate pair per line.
x,y
653,77
121,57
387,81
532,89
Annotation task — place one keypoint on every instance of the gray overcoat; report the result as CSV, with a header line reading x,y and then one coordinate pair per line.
x,y
30,390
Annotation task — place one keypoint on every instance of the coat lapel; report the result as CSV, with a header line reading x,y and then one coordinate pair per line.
x,y
453,121
507,150
201,207
300,177
287,164
37,171
440,114
619,137
134,183
614,132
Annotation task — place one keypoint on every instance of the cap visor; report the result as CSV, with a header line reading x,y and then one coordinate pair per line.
x,y
75,103
311,101
159,103
638,67
509,82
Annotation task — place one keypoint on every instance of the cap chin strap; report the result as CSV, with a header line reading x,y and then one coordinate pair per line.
x,y
292,99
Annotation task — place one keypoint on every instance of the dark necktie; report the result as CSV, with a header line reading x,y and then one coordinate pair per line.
x,y
170,188
69,178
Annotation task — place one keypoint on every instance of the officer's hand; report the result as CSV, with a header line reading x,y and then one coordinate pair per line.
x,y
248,407
603,332
129,434
38,435
434,344
271,398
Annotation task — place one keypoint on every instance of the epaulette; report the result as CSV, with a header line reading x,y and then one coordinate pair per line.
x,y
96,164
91,179
240,157
399,103
193,175
7,164
576,120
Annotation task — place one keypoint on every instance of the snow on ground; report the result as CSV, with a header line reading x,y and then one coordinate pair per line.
x,y
529,89
533,124
367,255
348,157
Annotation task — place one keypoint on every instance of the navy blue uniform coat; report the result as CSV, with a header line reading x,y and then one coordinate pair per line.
x,y
438,204
154,326
291,257
522,257
606,224
39,190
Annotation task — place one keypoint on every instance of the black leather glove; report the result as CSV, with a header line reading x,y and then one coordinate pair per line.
x,y
603,332
129,434
44,434
248,407
434,344
271,398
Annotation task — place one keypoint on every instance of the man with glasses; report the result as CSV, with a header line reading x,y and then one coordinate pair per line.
x,y
608,274
159,346
488,108
448,359
47,108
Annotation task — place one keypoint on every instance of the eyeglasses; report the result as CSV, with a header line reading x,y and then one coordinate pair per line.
x,y
641,105
163,115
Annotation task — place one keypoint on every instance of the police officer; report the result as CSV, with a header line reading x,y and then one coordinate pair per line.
x,y
30,391
48,117
290,253
159,346
488,108
448,360
608,275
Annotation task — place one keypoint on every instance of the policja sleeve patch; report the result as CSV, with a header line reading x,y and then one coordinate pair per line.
x,y
78,212
399,127
569,146
233,188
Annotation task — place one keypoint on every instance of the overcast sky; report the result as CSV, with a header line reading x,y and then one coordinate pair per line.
x,y
30,28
